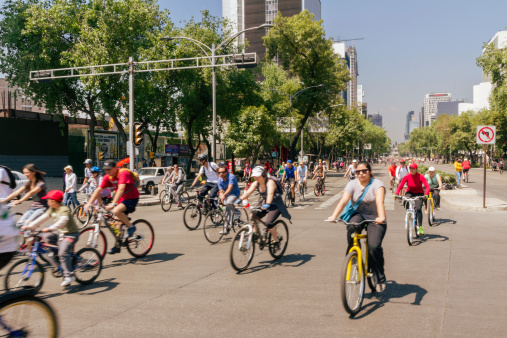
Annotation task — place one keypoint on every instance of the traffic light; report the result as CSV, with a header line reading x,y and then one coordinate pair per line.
x,y
138,134
101,155
151,154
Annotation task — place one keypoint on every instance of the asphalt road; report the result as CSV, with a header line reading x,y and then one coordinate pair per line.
x,y
451,283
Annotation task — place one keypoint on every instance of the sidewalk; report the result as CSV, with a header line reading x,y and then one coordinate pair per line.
x,y
467,198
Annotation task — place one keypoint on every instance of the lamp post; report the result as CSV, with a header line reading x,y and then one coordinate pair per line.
x,y
213,51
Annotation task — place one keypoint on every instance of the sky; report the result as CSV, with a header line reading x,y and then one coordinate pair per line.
x,y
410,48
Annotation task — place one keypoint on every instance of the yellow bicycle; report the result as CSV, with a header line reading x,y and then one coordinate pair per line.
x,y
430,209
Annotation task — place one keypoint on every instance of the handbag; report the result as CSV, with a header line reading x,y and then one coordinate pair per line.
x,y
351,209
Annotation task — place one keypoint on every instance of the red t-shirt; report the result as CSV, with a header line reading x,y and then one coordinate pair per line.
x,y
392,170
415,183
123,177
465,165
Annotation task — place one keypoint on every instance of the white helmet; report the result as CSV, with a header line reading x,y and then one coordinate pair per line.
x,y
257,171
431,169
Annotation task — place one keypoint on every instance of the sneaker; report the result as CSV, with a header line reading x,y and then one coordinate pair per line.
x,y
421,231
380,287
180,205
131,231
113,250
68,280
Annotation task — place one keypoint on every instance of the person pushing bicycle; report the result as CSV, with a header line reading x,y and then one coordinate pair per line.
x,y
125,198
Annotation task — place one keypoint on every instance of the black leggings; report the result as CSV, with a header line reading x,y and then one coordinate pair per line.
x,y
418,206
376,233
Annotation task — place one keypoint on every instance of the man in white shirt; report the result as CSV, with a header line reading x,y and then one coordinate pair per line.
x,y
5,181
210,169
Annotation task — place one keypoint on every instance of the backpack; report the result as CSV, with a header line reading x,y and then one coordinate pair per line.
x,y
12,183
279,188
134,175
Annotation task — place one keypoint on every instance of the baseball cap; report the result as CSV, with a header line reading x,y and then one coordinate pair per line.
x,y
431,169
354,161
68,167
109,165
88,161
55,195
413,165
257,171
289,161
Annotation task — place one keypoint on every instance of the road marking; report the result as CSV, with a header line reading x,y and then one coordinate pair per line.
x,y
389,200
330,201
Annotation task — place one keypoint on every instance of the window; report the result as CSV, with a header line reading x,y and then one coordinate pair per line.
x,y
160,172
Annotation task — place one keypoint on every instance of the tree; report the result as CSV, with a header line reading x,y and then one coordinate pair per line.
x,y
300,42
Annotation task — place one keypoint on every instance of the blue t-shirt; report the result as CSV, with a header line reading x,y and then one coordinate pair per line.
x,y
231,179
289,172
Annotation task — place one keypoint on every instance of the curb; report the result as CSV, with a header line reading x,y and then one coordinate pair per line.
x,y
460,207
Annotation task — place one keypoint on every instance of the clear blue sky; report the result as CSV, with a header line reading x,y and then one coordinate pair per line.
x,y
411,48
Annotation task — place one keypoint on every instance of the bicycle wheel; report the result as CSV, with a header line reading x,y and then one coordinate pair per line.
x,y
81,216
139,244
431,215
166,201
409,226
27,316
316,189
282,231
323,189
242,251
185,199
287,199
192,216
22,276
87,265
214,226
352,283
87,239
372,280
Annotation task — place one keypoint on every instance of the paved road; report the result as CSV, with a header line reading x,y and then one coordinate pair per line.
x,y
449,284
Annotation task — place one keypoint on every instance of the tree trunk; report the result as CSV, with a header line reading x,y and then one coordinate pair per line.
x,y
119,126
92,142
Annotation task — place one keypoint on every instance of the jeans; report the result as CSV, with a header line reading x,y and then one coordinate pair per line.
x,y
65,248
70,197
376,233
176,189
458,178
29,216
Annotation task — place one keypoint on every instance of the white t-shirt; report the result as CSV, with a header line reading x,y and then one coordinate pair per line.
x,y
5,190
88,172
352,169
401,172
211,174
70,182
302,171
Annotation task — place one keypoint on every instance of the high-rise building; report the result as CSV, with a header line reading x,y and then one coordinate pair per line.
x,y
499,40
449,108
351,57
376,119
430,105
244,14
412,122
364,109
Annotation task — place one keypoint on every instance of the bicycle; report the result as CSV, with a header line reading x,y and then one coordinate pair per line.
x,y
215,226
193,212
320,187
138,245
301,191
411,225
24,315
243,244
83,217
288,200
355,268
430,209
168,197
29,272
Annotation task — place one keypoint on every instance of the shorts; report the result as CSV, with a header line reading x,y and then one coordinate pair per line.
x,y
291,179
272,214
130,205
466,170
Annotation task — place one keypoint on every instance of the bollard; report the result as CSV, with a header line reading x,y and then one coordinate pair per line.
x,y
153,191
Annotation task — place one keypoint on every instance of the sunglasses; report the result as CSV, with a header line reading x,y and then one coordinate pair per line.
x,y
222,172
362,171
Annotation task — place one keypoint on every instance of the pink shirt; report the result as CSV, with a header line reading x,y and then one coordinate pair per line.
x,y
415,183
123,177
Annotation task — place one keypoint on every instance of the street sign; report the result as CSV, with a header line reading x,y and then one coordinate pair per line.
x,y
486,134
274,154
367,146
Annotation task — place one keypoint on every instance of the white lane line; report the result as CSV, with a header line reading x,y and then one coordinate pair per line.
x,y
389,200
330,201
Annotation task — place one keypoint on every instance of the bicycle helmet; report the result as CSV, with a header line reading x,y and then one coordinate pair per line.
x,y
257,171
95,170
203,157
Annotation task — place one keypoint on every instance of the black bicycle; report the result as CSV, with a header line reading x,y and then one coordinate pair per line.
x,y
193,212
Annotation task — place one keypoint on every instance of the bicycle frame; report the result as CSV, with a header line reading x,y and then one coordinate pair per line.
x,y
430,199
356,247
411,210
250,233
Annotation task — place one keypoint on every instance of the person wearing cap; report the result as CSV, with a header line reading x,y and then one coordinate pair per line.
x,y
351,170
63,232
94,182
302,174
270,204
168,172
401,171
87,173
435,183
392,174
466,168
125,198
70,187
457,170
415,182
289,176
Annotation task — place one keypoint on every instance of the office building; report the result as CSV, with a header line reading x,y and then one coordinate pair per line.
x,y
412,122
430,105
376,119
364,110
13,98
499,40
449,108
351,57
244,14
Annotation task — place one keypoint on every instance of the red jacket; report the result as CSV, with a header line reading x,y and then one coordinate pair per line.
x,y
415,183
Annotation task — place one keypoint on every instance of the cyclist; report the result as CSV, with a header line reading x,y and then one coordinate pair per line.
x,y
279,173
177,183
8,234
6,182
289,177
70,187
210,169
500,165
125,198
247,172
269,170
415,182
34,188
401,171
87,172
67,232
457,169
351,170
167,174
371,208
94,182
271,202
435,182
320,172
392,174
466,168
229,193
302,174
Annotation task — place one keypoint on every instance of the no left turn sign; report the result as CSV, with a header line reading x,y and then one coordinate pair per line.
x,y
486,134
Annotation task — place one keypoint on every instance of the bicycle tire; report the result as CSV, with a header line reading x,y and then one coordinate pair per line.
x,y
165,202
82,217
282,232
316,189
85,240
28,315
409,225
352,289
140,244
213,227
323,189
372,280
286,200
192,216
14,279
85,261
431,216
184,199
241,254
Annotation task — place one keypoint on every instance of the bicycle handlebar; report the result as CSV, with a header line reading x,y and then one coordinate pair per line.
x,y
410,199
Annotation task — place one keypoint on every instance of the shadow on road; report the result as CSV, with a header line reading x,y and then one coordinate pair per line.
x,y
430,237
150,259
393,290
289,261
96,287
440,221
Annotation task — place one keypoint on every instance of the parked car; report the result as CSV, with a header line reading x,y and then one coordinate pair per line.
x,y
20,181
150,177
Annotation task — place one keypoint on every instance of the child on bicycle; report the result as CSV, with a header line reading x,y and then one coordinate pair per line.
x,y
63,231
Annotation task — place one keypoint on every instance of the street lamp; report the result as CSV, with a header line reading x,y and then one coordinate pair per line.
x,y
213,51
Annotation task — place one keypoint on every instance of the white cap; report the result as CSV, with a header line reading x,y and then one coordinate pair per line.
x,y
68,167
354,161
431,169
257,171
88,161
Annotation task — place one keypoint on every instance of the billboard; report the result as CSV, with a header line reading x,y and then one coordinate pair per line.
x,y
107,144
